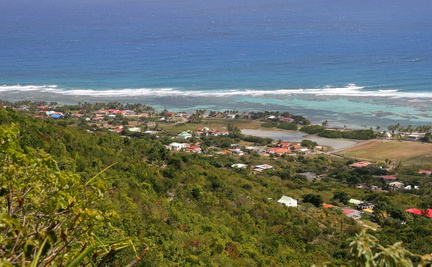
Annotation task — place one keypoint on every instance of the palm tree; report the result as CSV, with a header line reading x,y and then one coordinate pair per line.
x,y
409,129
392,128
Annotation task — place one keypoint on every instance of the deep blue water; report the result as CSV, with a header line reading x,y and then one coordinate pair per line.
x,y
201,45
204,47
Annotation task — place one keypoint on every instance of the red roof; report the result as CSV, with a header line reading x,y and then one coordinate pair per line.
x,y
347,211
389,177
360,164
327,205
424,172
427,213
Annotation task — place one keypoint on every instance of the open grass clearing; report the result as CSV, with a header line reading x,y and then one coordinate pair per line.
x,y
408,152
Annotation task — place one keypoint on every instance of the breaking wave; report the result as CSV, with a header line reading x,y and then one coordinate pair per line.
x,y
349,90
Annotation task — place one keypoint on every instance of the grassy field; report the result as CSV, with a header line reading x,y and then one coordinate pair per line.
x,y
407,152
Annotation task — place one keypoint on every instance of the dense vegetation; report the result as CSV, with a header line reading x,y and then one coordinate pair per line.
x,y
350,134
69,193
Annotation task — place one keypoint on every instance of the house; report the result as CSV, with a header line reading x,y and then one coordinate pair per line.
x,y
134,129
56,116
184,135
176,146
288,201
285,144
260,168
360,164
425,172
287,120
355,201
365,205
410,187
278,150
195,149
367,186
304,151
396,185
426,213
239,165
230,116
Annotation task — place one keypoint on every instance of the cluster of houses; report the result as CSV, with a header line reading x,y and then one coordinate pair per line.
x,y
201,132
50,114
282,148
390,179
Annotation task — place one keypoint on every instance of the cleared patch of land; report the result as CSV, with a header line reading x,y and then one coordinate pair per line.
x,y
407,152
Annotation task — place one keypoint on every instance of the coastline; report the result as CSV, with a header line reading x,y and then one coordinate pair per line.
x,y
353,111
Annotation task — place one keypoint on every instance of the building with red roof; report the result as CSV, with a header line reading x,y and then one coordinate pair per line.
x,y
360,164
426,213
427,172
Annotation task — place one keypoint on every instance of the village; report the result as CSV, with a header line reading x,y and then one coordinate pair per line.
x,y
127,122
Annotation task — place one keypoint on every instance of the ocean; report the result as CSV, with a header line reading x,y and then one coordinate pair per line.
x,y
354,63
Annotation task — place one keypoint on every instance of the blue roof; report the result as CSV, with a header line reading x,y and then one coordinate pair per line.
x,y
56,116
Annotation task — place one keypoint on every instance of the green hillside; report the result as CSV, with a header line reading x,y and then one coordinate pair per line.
x,y
68,193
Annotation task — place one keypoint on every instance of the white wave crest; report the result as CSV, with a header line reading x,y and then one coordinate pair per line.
x,y
349,90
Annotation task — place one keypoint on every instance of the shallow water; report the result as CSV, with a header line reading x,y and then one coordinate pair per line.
x,y
294,136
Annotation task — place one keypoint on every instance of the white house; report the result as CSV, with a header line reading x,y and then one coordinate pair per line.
x,y
260,168
135,129
288,201
239,165
396,184
176,146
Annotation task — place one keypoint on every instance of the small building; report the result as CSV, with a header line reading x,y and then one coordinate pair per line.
x,y
355,201
184,135
239,165
360,164
426,213
396,185
410,187
260,168
365,205
290,120
176,146
425,172
56,116
134,129
288,201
